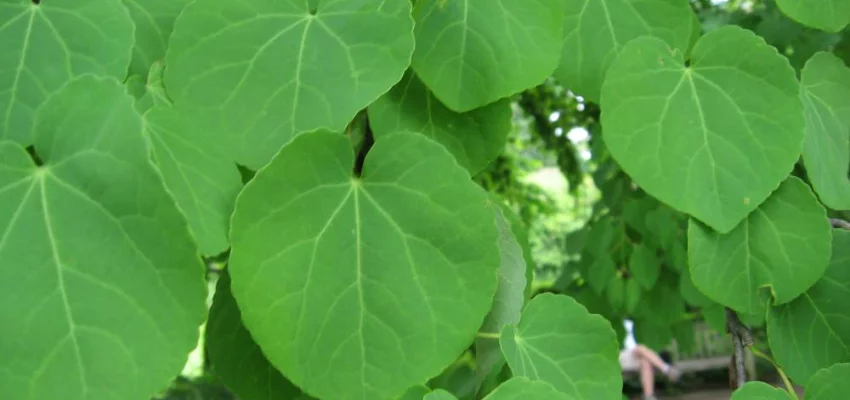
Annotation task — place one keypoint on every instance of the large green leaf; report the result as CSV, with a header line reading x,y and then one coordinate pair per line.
x,y
475,138
830,383
558,341
701,137
784,246
521,388
826,93
644,266
45,45
439,394
360,287
813,331
234,356
760,391
266,70
509,298
474,52
197,175
596,30
101,289
827,15
153,20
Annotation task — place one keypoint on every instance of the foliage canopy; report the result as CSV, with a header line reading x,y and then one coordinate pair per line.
x,y
358,166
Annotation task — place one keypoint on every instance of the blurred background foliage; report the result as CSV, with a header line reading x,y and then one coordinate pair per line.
x,y
592,233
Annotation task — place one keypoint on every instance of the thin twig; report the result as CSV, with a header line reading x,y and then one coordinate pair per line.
x,y
839,223
741,336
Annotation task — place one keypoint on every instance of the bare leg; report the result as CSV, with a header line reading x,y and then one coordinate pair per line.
x,y
644,353
647,378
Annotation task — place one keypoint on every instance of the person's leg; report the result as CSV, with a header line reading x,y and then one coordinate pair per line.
x,y
652,357
644,353
647,379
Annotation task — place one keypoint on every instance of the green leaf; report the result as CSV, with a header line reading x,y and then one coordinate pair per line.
x,y
234,356
715,316
783,246
153,20
45,45
360,287
520,232
830,383
653,333
415,393
616,293
439,394
521,388
689,292
263,71
601,236
601,272
644,266
475,138
826,94
663,225
558,341
676,255
701,138
813,331
197,175
154,89
634,293
663,301
683,333
760,391
596,30
509,298
101,289
474,52
826,15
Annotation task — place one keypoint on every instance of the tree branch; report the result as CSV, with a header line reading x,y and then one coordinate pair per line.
x,y
839,223
741,337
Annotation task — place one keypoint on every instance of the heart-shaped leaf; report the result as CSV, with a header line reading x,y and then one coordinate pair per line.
x,y
826,15
813,331
559,342
702,137
826,93
47,44
596,30
99,275
361,287
263,71
784,246
474,52
475,138
193,168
